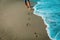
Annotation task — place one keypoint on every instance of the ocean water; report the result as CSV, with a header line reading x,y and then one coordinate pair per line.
x,y
49,10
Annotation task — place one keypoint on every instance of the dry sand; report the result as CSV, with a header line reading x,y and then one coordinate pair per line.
x,y
17,23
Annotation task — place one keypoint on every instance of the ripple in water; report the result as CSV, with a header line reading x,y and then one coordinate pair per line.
x,y
49,10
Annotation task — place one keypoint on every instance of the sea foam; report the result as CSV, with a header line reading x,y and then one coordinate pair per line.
x,y
49,10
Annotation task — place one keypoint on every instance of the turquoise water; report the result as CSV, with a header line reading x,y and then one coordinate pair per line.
x,y
49,10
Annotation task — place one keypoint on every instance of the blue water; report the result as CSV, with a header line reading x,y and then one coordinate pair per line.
x,y
49,10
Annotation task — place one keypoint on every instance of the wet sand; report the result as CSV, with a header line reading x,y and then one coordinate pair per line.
x,y
17,23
